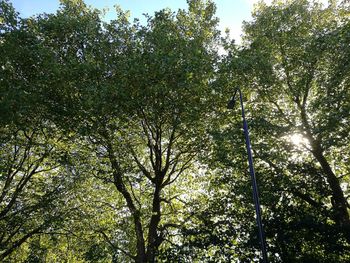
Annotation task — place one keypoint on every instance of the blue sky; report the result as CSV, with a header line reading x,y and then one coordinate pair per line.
x,y
230,12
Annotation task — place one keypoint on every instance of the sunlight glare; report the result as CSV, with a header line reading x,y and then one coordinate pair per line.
x,y
298,139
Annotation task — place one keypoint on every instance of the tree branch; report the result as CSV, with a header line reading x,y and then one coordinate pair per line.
x,y
115,247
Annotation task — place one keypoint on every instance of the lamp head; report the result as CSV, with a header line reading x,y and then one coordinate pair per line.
x,y
231,103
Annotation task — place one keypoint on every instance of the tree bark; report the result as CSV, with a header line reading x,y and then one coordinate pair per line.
x,y
339,202
153,237
19,242
118,182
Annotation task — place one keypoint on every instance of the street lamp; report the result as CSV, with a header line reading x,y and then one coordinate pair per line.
x,y
231,105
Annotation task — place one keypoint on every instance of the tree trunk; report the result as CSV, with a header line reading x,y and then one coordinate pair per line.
x,y
118,182
153,238
339,202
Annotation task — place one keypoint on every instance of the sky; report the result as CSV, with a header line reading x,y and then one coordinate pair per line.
x,y
230,12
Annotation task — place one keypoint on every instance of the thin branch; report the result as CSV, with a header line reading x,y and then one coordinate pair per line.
x,y
294,190
133,194
185,166
281,112
141,166
20,242
169,148
149,143
148,125
12,234
116,247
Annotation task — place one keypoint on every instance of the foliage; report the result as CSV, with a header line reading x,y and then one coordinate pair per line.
x,y
116,147
297,79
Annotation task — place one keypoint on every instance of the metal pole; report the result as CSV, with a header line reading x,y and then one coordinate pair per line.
x,y
254,184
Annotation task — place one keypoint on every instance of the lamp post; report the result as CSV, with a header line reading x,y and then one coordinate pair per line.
x,y
231,105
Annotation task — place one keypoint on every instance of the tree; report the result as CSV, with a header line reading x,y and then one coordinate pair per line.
x,y
33,149
143,125
293,68
154,138
114,146
293,65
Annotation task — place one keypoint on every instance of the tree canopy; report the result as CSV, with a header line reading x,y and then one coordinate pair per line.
x,y
116,145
